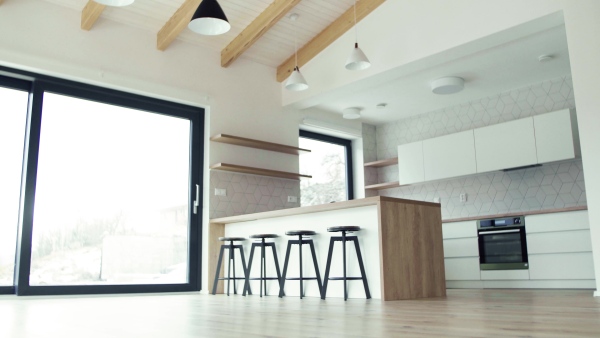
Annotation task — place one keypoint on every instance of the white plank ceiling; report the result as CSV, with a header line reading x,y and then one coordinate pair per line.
x,y
271,49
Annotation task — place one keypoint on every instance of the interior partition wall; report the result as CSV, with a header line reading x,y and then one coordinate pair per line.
x,y
110,191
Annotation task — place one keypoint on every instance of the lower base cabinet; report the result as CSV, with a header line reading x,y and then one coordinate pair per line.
x,y
559,248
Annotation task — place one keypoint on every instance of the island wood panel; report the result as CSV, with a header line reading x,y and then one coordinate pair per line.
x,y
411,251
215,230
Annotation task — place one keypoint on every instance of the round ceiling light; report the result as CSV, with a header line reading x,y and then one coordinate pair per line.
x,y
351,113
448,85
115,3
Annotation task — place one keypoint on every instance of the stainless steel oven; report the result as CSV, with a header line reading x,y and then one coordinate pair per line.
x,y
502,244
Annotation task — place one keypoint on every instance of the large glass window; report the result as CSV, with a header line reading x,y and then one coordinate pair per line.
x,y
111,196
100,190
13,118
330,164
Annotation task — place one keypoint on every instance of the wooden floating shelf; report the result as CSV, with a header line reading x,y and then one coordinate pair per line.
x,y
382,186
382,163
258,171
246,142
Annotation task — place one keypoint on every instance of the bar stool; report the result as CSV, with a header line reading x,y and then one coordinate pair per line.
x,y
231,247
344,239
300,241
263,266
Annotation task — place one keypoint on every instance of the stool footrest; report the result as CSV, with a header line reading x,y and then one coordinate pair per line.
x,y
232,278
263,278
303,278
342,278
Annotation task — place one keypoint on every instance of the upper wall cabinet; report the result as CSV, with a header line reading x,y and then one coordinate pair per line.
x,y
505,145
449,156
556,136
410,163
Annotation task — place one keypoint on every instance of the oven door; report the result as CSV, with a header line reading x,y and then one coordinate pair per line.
x,y
503,249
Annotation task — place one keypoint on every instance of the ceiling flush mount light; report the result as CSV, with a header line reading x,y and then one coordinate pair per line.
x,y
209,19
115,3
448,85
351,113
357,60
296,81
544,58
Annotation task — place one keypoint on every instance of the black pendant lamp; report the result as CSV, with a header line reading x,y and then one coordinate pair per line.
x,y
209,19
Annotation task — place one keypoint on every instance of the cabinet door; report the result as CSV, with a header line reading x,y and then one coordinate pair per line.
x,y
505,145
562,266
410,163
559,242
449,156
459,229
462,268
554,136
461,247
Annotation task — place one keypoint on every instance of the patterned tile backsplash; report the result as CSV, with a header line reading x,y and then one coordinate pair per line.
x,y
248,194
550,186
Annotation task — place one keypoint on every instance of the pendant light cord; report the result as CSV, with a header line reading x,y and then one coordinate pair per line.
x,y
355,29
295,46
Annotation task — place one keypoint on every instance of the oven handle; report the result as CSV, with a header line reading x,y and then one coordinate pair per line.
x,y
492,232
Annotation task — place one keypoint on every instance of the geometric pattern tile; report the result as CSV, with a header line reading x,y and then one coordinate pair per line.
x,y
369,138
549,186
248,194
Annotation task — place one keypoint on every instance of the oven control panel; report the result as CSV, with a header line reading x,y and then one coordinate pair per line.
x,y
501,222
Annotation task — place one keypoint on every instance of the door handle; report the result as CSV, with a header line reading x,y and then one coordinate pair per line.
x,y
197,200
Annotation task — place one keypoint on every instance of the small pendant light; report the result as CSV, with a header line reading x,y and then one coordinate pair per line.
x,y
357,60
296,81
209,19
115,3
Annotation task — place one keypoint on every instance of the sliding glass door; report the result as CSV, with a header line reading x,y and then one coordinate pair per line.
x,y
111,181
14,96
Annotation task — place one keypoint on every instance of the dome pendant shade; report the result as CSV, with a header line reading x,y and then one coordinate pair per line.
x,y
357,60
296,81
115,3
209,19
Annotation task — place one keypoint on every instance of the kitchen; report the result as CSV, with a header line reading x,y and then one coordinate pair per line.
x,y
234,101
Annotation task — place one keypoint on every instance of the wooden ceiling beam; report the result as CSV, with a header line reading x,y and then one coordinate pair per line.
x,y
91,12
263,22
176,24
327,36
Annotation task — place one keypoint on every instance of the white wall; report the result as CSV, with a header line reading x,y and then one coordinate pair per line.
x,y
242,100
412,31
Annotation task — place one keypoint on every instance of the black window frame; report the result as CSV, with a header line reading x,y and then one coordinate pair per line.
x,y
37,85
347,144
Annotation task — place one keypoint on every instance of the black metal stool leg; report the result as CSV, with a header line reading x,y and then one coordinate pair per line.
x,y
344,258
219,262
301,288
314,256
233,264
362,267
272,245
246,271
249,267
229,265
285,267
262,261
328,266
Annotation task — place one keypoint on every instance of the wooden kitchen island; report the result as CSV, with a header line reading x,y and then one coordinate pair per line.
x,y
401,243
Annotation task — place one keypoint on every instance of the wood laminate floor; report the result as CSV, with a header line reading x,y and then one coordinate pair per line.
x,y
463,313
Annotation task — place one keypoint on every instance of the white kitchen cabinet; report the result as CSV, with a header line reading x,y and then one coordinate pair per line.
x,y
562,266
505,275
505,145
449,156
465,268
554,136
562,221
461,247
559,242
459,229
410,163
